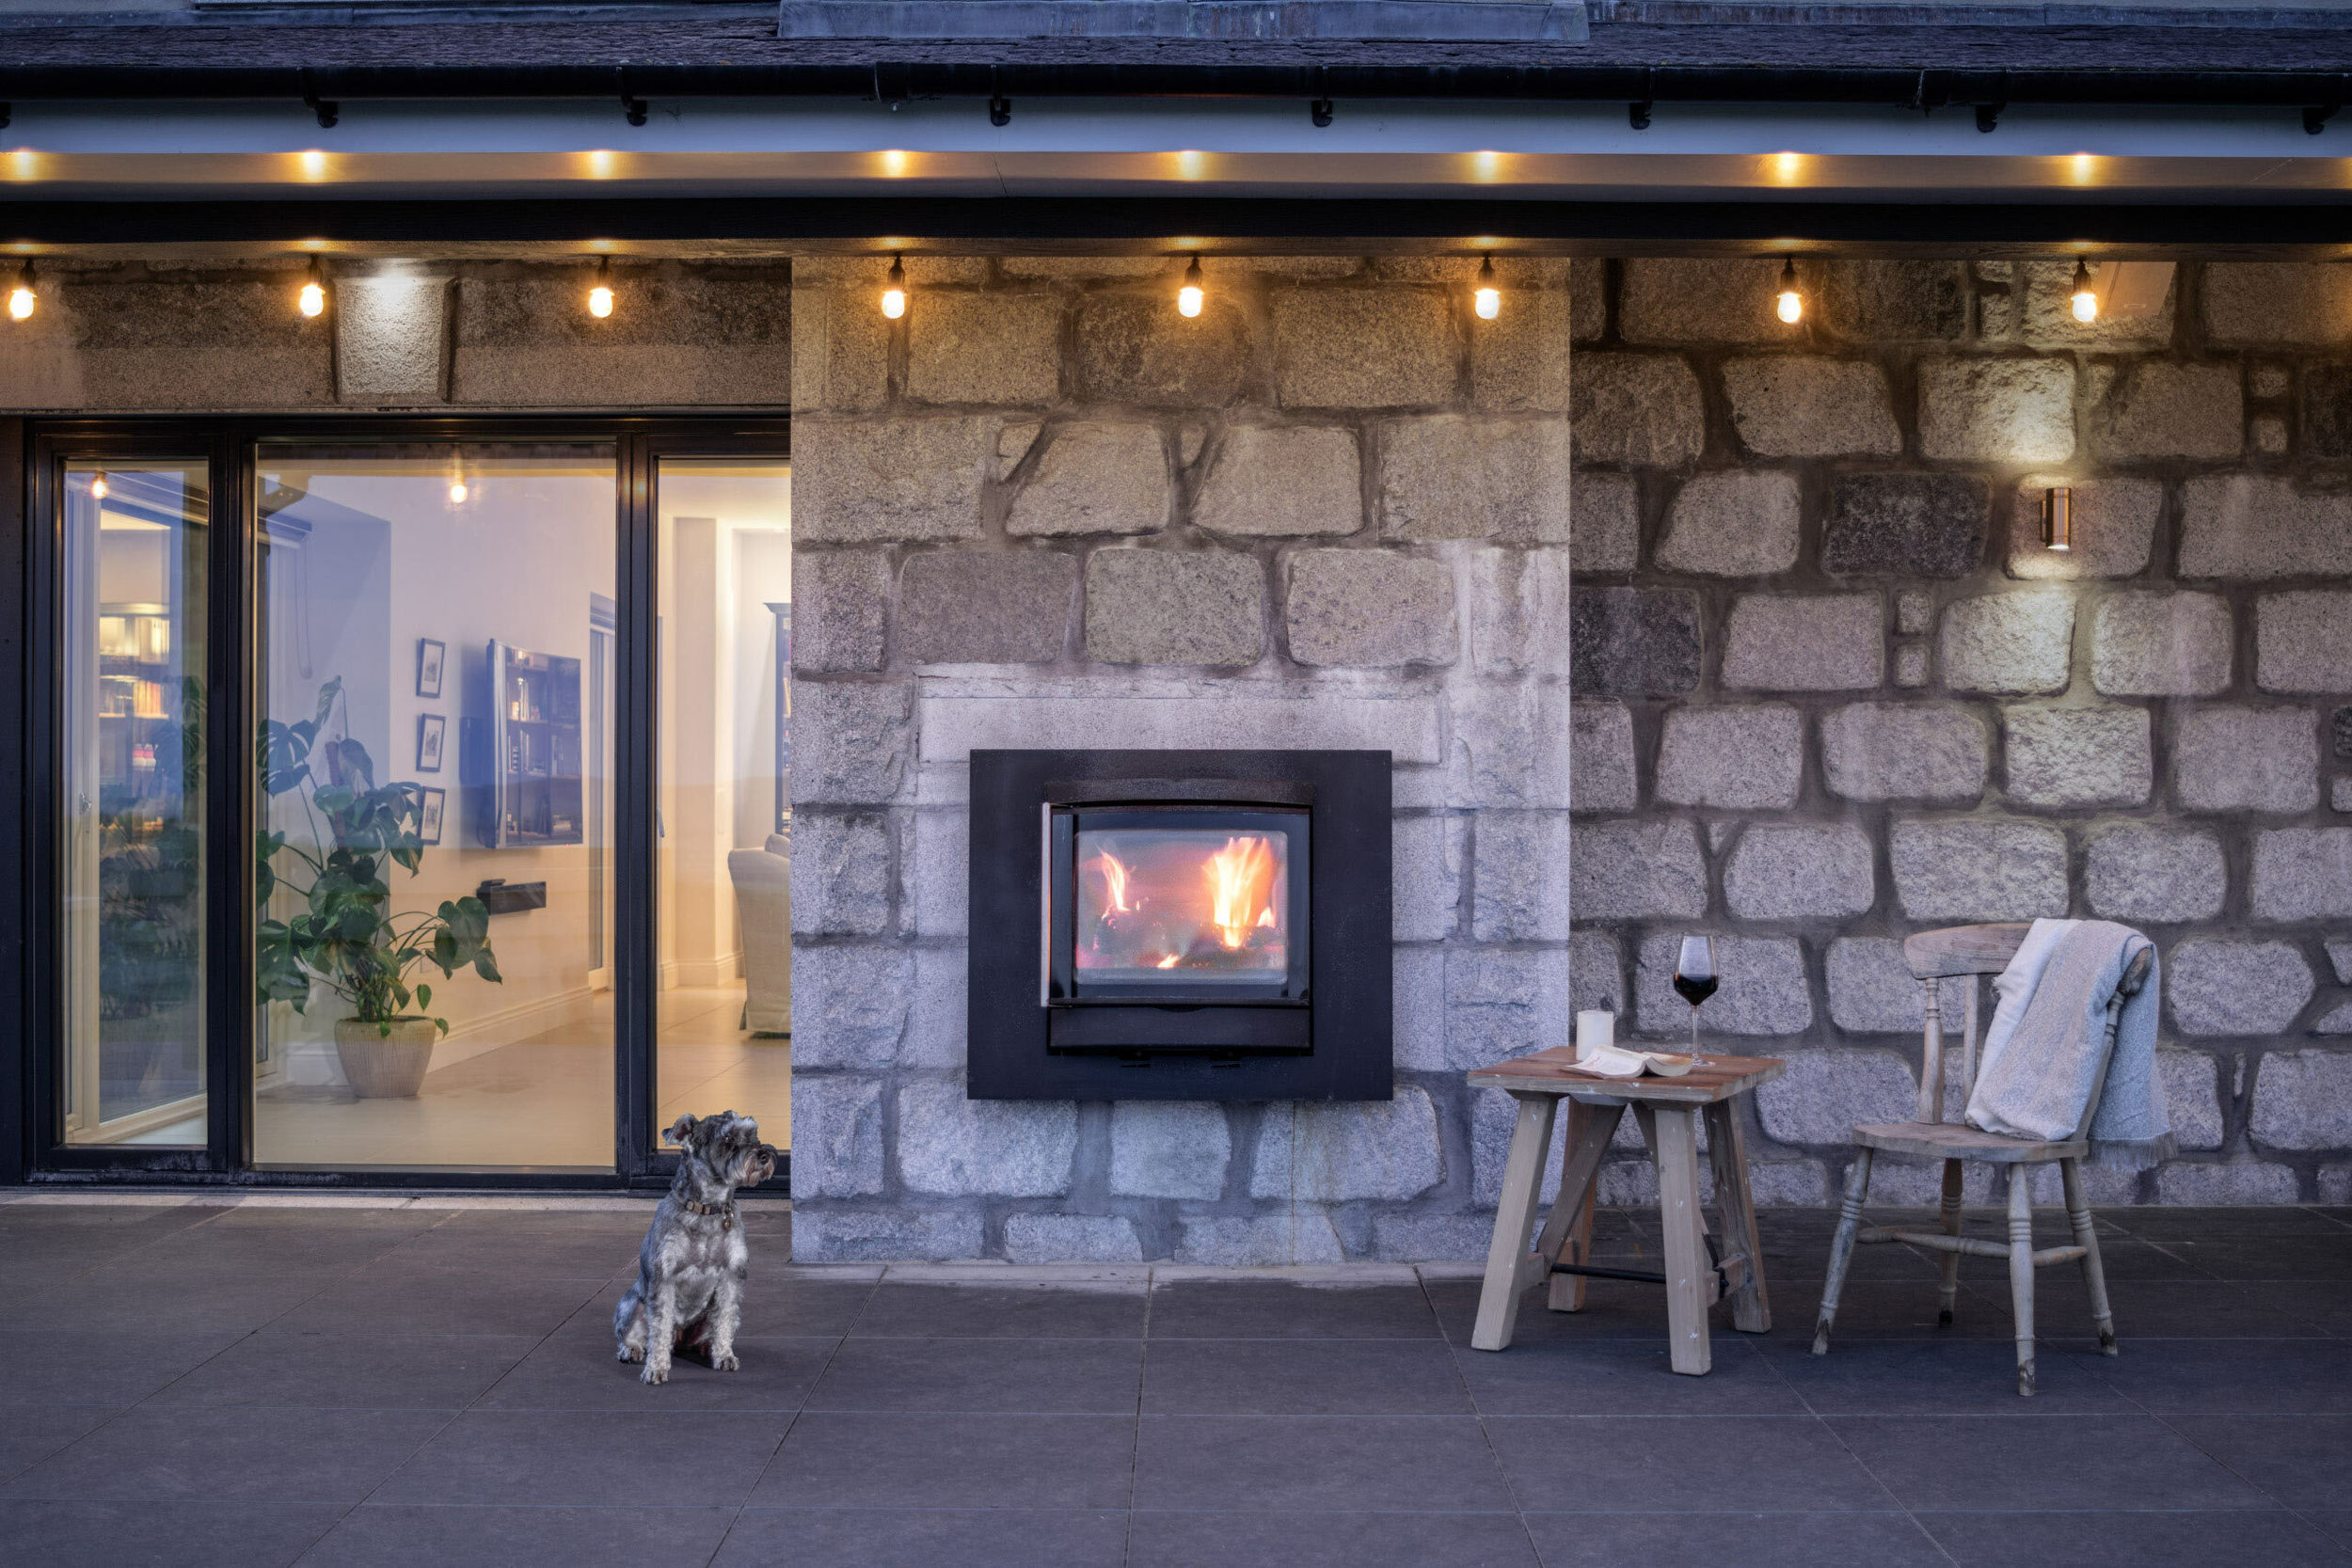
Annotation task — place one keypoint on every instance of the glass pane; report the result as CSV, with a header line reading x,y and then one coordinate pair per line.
x,y
434,989
1158,903
724,861
132,539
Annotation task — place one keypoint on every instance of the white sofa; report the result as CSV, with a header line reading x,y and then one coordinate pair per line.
x,y
763,902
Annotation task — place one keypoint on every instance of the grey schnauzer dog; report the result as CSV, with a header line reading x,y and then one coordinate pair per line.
x,y
690,1272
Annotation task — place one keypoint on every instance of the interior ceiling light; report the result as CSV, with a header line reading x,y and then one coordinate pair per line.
x,y
314,296
1790,306
1189,297
2085,298
894,290
600,296
1486,297
22,299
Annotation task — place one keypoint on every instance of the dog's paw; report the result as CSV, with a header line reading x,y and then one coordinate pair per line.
x,y
653,1374
629,1353
726,1363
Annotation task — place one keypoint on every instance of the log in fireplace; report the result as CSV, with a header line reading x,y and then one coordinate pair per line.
x,y
1180,925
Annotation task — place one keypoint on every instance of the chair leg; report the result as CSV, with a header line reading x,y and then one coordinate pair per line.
x,y
2021,1269
1841,1247
1947,1289
2087,1238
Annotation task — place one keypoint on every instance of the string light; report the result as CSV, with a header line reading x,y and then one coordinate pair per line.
x,y
1189,297
1487,298
457,489
98,486
600,296
314,296
894,290
20,296
1791,302
2086,300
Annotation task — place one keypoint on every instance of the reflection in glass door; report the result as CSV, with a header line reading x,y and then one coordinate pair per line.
x,y
132,620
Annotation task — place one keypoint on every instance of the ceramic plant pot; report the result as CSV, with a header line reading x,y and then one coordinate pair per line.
x,y
385,1066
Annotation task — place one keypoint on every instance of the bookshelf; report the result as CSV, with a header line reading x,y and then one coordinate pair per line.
x,y
530,780
138,709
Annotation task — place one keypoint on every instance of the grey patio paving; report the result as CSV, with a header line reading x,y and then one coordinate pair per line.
x,y
264,1385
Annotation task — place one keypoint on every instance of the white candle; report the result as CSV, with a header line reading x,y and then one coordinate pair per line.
x,y
1595,1030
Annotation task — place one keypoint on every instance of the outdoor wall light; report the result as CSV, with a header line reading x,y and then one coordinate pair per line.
x,y
20,296
2085,299
894,290
2057,518
600,296
1790,306
1188,298
314,296
1487,298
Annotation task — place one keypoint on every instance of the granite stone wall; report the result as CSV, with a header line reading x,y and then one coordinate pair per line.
x,y
1045,510
1832,689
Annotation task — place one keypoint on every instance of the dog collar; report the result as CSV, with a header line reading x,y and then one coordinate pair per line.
x,y
725,1210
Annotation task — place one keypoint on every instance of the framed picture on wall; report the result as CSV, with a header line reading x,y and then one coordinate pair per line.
x,y
432,730
430,653
429,829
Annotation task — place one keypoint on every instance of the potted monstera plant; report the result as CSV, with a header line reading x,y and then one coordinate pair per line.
x,y
347,937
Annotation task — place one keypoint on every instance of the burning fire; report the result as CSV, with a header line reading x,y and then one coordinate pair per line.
x,y
1114,880
1241,884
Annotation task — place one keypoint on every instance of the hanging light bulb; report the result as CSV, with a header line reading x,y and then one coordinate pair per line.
x,y
1791,302
1487,298
20,296
1188,298
2085,299
600,296
314,296
894,290
98,486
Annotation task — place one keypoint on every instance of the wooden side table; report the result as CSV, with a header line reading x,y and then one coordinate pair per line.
x,y
1698,1272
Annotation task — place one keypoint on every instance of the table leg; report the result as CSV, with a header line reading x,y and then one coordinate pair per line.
x,y
1568,1236
1735,1204
1515,1218
1673,1134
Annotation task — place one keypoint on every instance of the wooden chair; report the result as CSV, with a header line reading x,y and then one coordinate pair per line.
x,y
1969,953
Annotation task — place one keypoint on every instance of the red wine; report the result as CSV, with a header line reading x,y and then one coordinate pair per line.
x,y
1695,989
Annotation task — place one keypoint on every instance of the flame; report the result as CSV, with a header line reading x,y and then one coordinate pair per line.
x,y
1114,880
1168,962
1241,878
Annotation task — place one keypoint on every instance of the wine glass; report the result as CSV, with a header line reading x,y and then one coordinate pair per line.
x,y
1696,979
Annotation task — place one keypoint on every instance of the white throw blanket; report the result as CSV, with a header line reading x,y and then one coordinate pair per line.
x,y
2044,1049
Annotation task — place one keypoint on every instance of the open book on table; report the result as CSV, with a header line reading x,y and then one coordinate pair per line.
x,y
1615,1061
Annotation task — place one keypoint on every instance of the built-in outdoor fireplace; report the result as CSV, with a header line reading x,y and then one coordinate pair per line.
x,y
1180,924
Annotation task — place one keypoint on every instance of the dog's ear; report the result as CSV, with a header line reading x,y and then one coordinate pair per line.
x,y
680,1131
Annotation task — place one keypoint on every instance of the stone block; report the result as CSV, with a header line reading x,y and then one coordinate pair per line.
x,y
1168,1148
1604,523
2047,289
2240,525
841,874
2303,642
2303,874
2327,411
2340,959
2235,987
2005,410
1732,523
1521,615
2165,408
1274,481
1331,1153
861,482
1905,751
1804,406
840,350
1826,1094
841,612
1588,294
391,339
1970,870
897,1234
1417,1000
1431,1238
2194,1094
1493,1116
1636,410
1764,988
2067,757
2226,1184
1096,476
1131,348
1501,1003
1368,609
849,742
2009,642
1873,301
1914,612
1700,300
1519,362
1635,641
1260,1241
2340,794
956,1146
1351,347
2269,433
1511,746
680,336
971,607
849,1004
940,874
1113,712
1070,1239
1792,873
1904,524
1601,757
2161,645
2115,526
1805,643
1637,871
2291,304
1872,990
836,1135
2246,759
1749,758
1596,973
1911,665
1426,872
2155,875
1519,877
2336,1020
1453,476
938,1016
1169,607
999,346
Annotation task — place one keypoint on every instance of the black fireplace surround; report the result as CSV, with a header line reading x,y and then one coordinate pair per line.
x,y
1180,925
